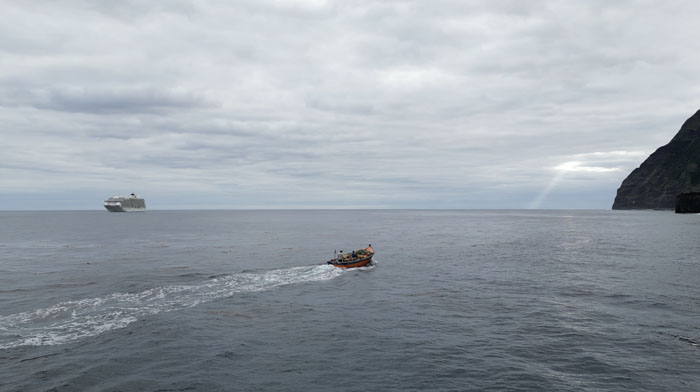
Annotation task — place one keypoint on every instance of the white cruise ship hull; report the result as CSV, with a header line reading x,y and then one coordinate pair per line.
x,y
122,209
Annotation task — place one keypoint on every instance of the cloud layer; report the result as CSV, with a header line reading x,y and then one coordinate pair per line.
x,y
303,104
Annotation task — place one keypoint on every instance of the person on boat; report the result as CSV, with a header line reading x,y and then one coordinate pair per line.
x,y
369,248
353,255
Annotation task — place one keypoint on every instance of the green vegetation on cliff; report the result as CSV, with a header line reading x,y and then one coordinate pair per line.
x,y
670,170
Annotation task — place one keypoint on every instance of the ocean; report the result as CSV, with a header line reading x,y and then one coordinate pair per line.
x,y
457,300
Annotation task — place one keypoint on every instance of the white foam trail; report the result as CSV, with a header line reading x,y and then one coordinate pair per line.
x,y
72,320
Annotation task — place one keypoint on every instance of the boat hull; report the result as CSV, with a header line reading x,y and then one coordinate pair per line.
x,y
123,209
351,264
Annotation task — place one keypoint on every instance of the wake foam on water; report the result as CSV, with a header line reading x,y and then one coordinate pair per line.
x,y
69,321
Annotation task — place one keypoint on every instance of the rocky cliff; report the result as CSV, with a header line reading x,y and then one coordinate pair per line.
x,y
670,170
688,203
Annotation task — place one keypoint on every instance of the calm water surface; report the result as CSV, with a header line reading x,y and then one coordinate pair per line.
x,y
457,300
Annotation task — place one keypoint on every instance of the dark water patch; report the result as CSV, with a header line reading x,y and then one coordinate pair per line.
x,y
193,275
685,339
39,357
20,290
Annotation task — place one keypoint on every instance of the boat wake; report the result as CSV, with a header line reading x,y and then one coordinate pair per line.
x,y
69,321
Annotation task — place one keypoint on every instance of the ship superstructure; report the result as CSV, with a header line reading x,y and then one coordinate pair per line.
x,y
131,203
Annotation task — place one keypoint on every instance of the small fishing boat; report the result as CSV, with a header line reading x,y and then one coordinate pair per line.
x,y
358,258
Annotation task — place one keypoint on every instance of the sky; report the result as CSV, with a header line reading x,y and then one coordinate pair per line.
x,y
338,104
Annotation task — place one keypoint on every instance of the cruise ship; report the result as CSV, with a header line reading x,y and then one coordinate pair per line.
x,y
131,203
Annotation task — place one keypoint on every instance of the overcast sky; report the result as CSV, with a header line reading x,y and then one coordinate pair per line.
x,y
338,104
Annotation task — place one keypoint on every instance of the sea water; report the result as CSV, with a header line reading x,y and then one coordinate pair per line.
x,y
456,300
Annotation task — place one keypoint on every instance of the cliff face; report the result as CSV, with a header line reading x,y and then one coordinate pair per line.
x,y
670,170
688,203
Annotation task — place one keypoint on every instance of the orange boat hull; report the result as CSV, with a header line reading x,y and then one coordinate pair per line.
x,y
342,263
360,263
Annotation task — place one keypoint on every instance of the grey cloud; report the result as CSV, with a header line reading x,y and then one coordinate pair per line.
x,y
333,105
101,101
